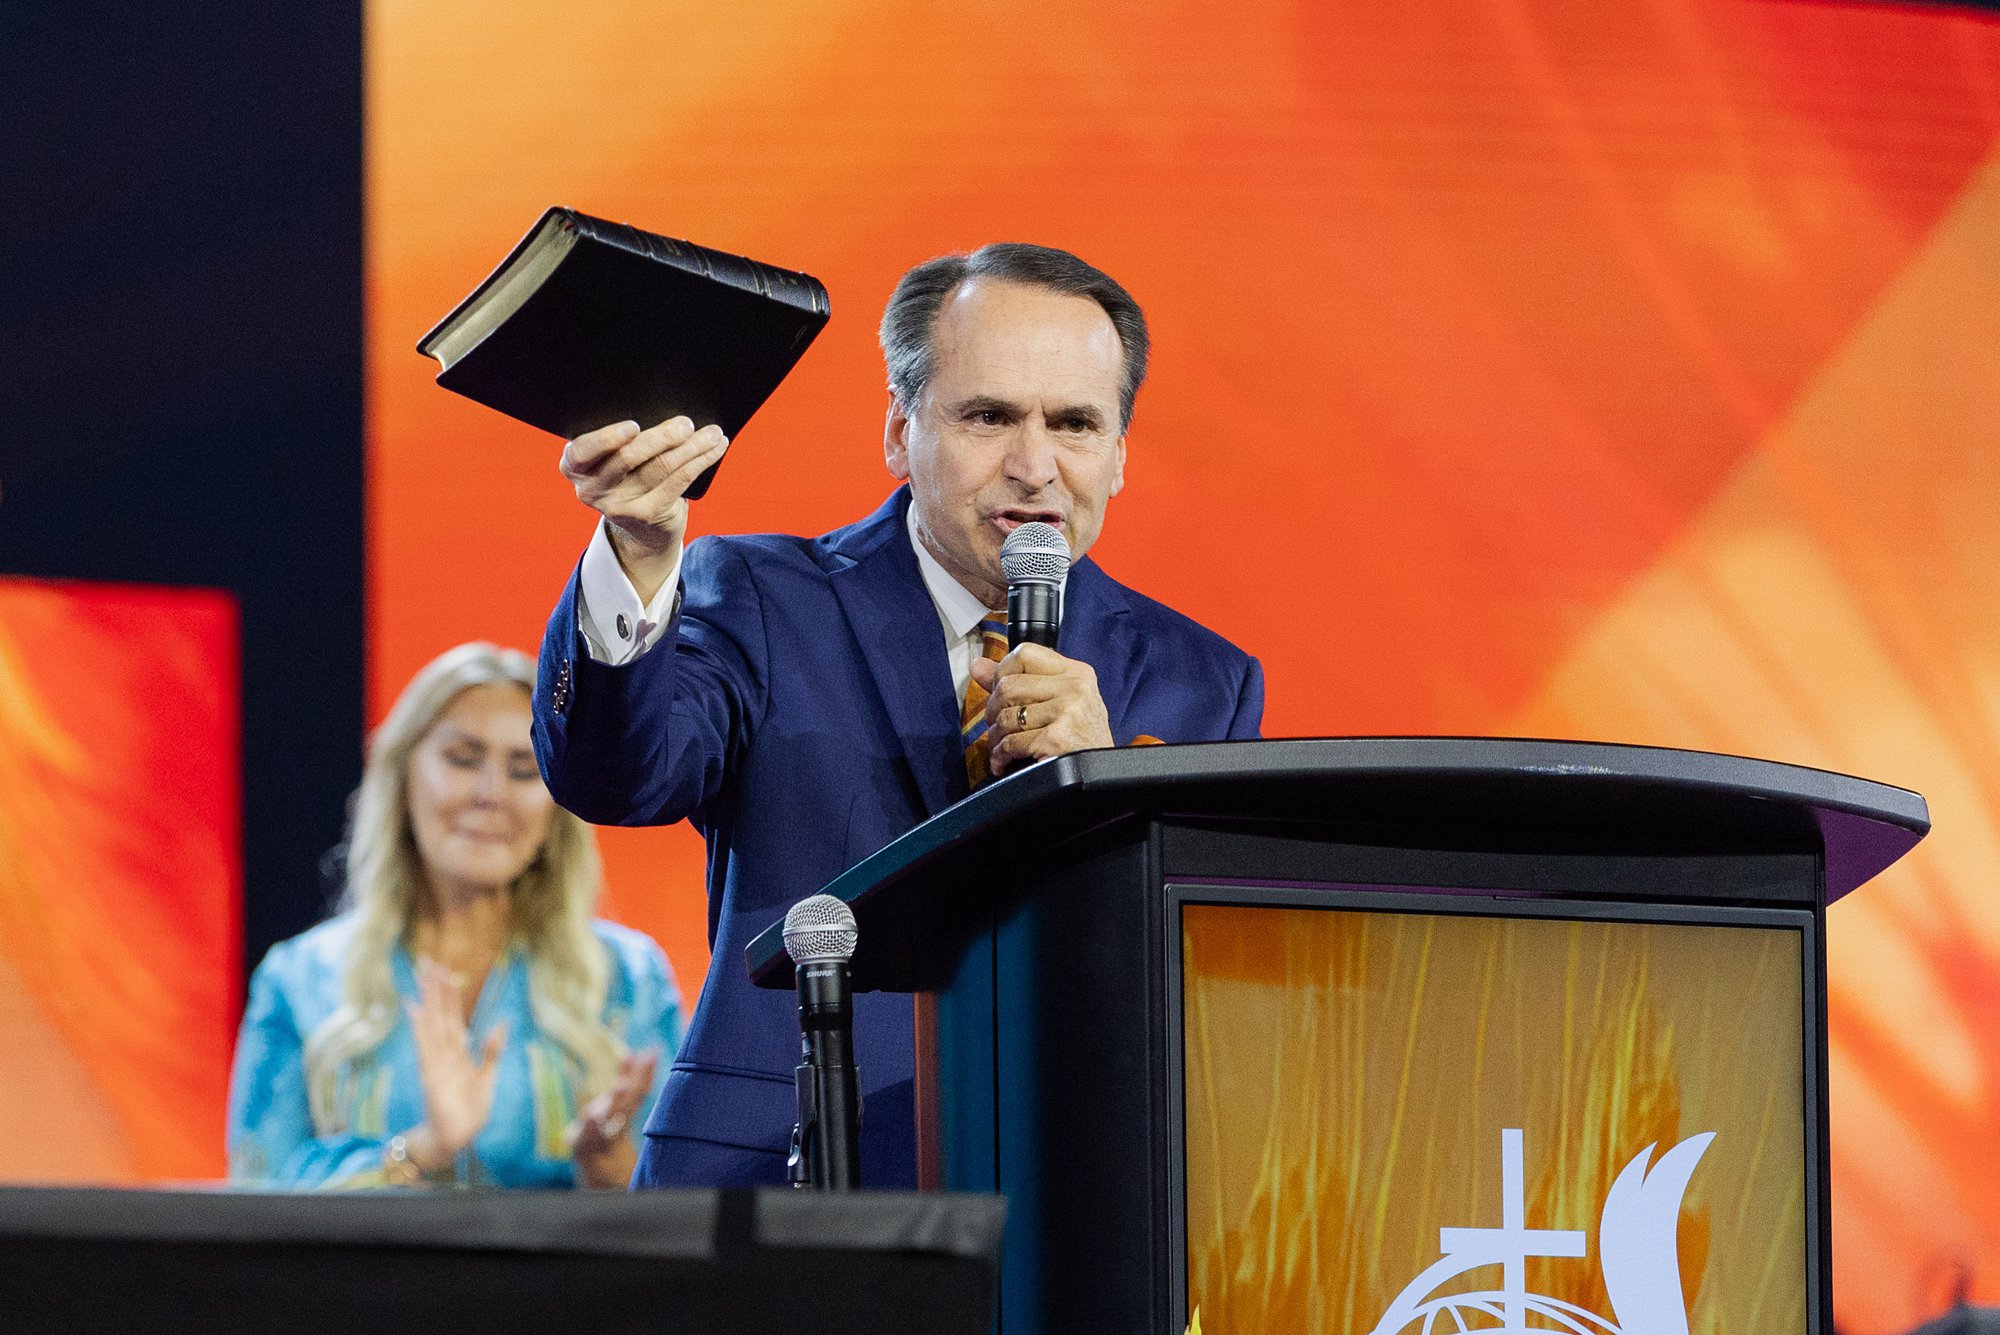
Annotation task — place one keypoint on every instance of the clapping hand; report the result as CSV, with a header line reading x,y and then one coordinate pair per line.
x,y
598,1139
458,1087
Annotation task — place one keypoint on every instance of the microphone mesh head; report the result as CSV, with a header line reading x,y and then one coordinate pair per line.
x,y
1034,553
820,930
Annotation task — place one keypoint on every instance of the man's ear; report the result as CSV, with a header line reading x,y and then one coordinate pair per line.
x,y
1118,477
896,441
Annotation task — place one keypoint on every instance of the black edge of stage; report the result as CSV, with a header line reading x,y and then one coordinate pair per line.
x,y
521,1262
1490,794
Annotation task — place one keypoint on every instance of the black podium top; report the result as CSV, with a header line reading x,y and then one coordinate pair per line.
x,y
1408,792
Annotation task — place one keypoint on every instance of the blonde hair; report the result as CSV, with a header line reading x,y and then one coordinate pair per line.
x,y
552,901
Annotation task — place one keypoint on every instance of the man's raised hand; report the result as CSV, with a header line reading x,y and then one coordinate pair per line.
x,y
638,481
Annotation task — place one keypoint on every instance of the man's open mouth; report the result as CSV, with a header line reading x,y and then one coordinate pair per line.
x,y
1009,520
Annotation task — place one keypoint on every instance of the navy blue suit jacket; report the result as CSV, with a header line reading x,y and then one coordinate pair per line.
x,y
800,710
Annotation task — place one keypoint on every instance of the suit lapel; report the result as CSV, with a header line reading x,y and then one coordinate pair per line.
x,y
874,576
1097,630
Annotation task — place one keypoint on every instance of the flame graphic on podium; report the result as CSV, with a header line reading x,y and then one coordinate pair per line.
x,y
1637,1253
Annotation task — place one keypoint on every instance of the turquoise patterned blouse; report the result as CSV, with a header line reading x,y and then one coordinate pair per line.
x,y
272,1141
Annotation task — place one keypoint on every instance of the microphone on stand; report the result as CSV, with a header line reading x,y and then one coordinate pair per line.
x,y
1035,560
826,1143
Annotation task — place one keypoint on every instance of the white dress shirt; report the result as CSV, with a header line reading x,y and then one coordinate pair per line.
x,y
617,628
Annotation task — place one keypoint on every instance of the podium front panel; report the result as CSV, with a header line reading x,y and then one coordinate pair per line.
x,y
1409,1112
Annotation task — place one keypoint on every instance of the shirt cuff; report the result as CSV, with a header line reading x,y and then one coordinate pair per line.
x,y
617,628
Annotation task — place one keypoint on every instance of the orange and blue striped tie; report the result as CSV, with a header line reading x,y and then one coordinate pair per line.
x,y
972,721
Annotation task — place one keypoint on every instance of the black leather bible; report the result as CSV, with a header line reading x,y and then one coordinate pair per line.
x,y
589,322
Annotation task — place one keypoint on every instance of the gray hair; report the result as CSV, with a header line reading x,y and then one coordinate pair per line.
x,y
912,311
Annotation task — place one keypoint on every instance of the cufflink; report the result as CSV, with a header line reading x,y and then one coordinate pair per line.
x,y
559,693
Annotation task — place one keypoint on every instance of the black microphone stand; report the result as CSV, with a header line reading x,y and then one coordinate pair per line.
x,y
826,1142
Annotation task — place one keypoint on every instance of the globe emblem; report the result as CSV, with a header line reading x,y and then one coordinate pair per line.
x,y
1637,1255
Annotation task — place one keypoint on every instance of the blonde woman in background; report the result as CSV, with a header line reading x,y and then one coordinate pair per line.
x,y
464,1019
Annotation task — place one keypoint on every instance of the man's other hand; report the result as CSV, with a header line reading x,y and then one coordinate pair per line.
x,y
1040,704
638,481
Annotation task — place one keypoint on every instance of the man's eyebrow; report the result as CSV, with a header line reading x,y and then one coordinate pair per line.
x,y
985,403
1083,412
1088,413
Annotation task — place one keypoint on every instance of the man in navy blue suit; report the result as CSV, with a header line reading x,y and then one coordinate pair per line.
x,y
800,699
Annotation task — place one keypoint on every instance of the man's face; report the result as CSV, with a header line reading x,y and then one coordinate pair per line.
x,y
1019,422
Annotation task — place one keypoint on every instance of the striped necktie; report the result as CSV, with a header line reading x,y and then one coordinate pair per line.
x,y
972,721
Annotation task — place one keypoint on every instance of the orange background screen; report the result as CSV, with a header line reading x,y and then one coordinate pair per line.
x,y
1522,367
120,880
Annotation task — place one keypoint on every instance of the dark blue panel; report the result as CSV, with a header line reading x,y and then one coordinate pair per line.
x,y
180,396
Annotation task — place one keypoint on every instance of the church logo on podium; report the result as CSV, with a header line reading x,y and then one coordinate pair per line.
x,y
1638,1256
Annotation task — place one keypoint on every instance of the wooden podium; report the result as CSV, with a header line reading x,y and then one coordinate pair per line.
x,y
1382,1035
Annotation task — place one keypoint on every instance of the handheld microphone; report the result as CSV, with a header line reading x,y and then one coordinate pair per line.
x,y
1035,560
826,1143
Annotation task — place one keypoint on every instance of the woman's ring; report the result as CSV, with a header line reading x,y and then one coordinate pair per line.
x,y
1023,724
